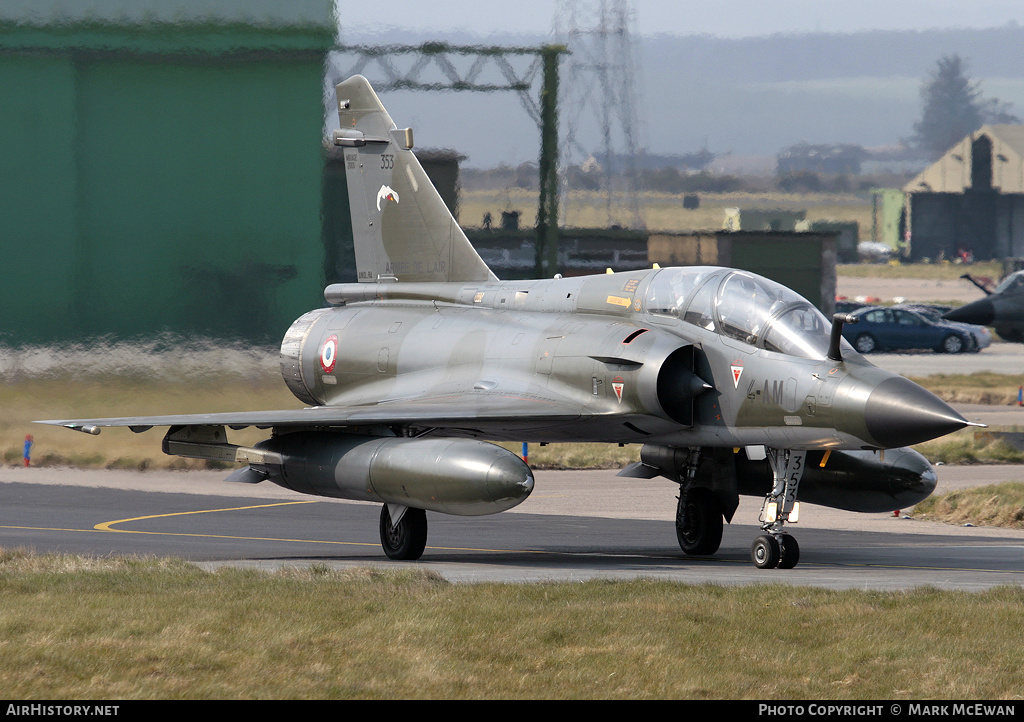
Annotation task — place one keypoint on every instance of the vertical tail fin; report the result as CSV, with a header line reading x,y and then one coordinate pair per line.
x,y
400,225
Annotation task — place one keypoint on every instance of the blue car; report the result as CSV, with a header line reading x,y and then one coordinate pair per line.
x,y
900,329
979,336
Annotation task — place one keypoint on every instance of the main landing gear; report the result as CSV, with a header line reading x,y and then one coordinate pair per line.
x,y
698,513
403,532
775,548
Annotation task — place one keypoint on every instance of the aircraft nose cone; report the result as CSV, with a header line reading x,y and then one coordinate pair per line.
x,y
898,412
981,312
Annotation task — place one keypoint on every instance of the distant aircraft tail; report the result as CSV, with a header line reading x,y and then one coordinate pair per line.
x,y
400,226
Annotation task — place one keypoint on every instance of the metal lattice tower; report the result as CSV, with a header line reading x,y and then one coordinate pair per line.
x,y
600,101
440,66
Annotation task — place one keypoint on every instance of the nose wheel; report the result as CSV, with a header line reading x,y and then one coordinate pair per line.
x,y
776,549
770,551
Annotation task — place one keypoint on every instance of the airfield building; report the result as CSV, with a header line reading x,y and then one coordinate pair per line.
x,y
971,200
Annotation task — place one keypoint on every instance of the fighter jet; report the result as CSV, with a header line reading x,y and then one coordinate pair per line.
x,y
1002,308
732,383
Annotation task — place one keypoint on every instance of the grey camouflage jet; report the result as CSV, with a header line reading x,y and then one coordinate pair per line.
x,y
732,383
1002,308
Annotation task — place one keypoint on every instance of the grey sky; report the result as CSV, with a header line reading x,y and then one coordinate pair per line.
x,y
737,110
727,18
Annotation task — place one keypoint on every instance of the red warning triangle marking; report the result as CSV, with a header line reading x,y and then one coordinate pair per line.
x,y
737,371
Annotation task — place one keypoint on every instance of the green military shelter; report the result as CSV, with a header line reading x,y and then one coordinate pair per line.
x,y
160,167
971,199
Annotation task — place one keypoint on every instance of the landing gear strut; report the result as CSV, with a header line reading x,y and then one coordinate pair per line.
x,y
776,548
403,532
698,513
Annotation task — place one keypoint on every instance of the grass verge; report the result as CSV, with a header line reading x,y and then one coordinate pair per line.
x,y
943,271
44,398
999,505
663,211
983,387
73,628
969,447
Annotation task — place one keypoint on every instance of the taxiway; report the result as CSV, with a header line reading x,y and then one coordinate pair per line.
x,y
577,525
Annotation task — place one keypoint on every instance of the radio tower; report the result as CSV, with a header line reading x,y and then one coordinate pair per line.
x,y
599,104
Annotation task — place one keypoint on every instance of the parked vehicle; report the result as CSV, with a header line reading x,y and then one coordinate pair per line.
x,y
901,329
845,305
981,336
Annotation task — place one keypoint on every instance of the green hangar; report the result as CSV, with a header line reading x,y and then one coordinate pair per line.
x,y
161,167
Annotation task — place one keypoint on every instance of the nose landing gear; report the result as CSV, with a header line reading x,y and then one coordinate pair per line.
x,y
776,548
771,551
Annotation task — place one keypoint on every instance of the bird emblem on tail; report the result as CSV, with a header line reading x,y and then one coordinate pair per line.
x,y
386,193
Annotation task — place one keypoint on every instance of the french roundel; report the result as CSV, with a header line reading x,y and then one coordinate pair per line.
x,y
329,354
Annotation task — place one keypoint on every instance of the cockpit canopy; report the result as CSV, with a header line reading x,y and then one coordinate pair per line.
x,y
742,306
1014,283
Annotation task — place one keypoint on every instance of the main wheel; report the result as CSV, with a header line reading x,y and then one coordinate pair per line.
x,y
699,522
952,344
790,552
407,539
865,343
765,552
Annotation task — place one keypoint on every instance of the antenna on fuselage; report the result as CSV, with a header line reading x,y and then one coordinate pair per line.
x,y
836,338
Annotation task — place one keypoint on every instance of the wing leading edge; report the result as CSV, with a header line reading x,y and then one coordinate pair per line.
x,y
490,412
